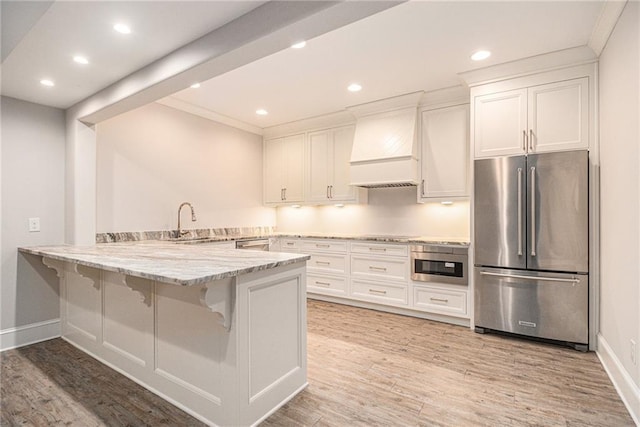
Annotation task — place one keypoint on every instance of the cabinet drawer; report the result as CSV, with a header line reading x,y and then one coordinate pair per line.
x,y
442,301
380,268
326,285
327,263
378,292
290,245
379,249
323,245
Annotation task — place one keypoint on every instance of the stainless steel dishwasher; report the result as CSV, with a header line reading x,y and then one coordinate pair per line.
x,y
253,244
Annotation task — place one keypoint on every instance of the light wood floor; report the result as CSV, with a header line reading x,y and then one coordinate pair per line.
x,y
366,368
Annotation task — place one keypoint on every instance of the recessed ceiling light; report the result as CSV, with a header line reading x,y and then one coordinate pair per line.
x,y
447,202
262,112
480,55
81,60
46,82
299,45
354,87
122,28
195,86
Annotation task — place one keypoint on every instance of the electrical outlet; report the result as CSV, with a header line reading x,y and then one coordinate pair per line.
x,y
633,351
34,224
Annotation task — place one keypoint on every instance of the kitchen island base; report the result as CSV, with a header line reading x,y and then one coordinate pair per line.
x,y
228,352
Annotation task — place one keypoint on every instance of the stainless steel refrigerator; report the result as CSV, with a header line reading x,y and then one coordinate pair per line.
x,y
531,228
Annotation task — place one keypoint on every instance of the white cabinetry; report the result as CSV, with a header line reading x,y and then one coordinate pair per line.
x,y
380,273
444,153
284,170
328,268
535,119
438,298
329,154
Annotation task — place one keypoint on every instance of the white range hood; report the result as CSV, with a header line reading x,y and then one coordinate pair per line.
x,y
384,150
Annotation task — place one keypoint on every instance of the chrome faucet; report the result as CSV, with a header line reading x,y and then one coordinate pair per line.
x,y
193,217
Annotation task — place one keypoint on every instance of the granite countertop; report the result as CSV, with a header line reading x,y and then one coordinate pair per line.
x,y
378,238
168,262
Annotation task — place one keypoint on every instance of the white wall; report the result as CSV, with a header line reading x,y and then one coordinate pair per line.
x,y
151,159
620,193
390,211
33,171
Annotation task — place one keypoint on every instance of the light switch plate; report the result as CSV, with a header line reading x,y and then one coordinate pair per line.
x,y
34,224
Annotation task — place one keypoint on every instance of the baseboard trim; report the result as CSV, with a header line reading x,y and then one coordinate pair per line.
x,y
629,392
29,334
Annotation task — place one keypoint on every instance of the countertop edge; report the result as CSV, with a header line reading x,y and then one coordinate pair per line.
x,y
166,279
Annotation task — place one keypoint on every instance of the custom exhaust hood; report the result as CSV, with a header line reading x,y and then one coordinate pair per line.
x,y
384,150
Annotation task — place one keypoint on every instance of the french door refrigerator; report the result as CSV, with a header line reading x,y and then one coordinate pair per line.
x,y
531,238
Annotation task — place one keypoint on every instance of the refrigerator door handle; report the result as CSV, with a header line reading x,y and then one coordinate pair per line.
x,y
538,278
519,211
533,211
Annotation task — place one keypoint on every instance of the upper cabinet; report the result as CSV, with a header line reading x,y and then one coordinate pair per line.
x,y
444,153
534,119
284,170
329,153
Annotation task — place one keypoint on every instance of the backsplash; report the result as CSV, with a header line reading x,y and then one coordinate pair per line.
x,y
132,236
391,211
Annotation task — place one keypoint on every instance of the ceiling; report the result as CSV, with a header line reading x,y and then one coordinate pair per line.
x,y
43,37
415,46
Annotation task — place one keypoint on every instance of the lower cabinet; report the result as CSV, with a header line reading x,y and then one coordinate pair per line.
x,y
380,292
376,275
438,298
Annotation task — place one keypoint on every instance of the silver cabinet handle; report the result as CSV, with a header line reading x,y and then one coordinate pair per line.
x,y
328,196
521,276
376,291
519,211
285,193
533,211
323,283
422,188
524,140
530,139
331,191
282,194
290,243
439,300
374,249
322,245
373,267
323,262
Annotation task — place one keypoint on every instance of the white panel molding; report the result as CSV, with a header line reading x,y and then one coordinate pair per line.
x,y
181,105
628,390
29,334
197,390
611,11
124,353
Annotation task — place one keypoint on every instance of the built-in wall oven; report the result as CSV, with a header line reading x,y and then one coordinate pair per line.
x,y
444,263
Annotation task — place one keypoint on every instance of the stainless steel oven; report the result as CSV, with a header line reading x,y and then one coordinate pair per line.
x,y
444,263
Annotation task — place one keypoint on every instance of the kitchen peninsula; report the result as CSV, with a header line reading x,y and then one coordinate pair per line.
x,y
221,333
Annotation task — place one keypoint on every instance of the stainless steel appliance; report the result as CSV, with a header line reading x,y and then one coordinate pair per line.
x,y
253,244
445,263
531,246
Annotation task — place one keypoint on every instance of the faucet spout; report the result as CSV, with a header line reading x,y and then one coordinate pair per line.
x,y
193,217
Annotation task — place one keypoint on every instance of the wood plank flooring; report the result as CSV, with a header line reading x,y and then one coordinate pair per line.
x,y
366,368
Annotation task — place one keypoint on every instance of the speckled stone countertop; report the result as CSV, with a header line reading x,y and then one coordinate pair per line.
x,y
378,238
168,262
